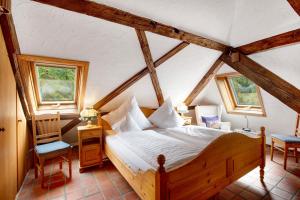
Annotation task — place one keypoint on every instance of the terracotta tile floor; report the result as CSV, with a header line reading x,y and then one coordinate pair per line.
x,y
107,183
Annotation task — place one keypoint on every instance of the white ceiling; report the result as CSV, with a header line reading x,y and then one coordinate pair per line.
x,y
115,55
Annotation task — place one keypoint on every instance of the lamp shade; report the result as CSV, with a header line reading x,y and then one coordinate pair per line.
x,y
182,108
88,114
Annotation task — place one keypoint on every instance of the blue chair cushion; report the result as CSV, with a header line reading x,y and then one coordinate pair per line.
x,y
286,138
51,147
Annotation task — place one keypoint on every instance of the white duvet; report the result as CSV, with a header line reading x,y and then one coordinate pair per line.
x,y
139,149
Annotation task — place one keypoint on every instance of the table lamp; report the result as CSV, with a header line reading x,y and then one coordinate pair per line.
x,y
182,108
88,114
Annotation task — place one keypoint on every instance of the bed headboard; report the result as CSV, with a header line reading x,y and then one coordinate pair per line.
x,y
147,112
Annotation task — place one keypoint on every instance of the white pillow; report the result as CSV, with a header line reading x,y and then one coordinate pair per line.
x,y
116,115
138,115
130,106
166,116
127,123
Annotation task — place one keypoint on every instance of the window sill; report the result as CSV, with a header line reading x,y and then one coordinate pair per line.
x,y
64,114
253,112
57,107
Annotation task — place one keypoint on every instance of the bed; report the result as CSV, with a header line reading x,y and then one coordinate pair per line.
x,y
222,161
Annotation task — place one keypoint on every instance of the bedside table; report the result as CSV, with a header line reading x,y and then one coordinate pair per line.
x,y
90,146
187,120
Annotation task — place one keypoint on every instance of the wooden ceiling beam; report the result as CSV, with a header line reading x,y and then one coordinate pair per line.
x,y
74,122
267,80
210,74
271,42
295,5
150,64
67,116
125,18
5,6
13,49
138,76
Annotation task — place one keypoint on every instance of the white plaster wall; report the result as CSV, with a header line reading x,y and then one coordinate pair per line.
x,y
180,74
259,19
160,45
142,90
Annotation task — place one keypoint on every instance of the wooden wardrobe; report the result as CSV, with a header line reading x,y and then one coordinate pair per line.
x,y
14,141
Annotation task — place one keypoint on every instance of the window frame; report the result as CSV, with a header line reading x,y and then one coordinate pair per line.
x,y
229,98
28,64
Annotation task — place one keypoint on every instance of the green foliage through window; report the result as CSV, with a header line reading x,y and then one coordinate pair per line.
x,y
244,90
56,83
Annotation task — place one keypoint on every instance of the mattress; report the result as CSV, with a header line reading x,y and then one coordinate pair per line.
x,y
139,149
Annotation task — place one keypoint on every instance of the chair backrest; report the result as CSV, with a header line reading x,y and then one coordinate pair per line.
x,y
297,131
46,128
207,111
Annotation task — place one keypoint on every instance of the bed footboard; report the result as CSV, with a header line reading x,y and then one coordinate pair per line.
x,y
222,162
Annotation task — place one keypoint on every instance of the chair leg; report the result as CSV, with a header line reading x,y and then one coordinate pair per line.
x,y
70,163
36,173
296,154
42,164
285,156
272,149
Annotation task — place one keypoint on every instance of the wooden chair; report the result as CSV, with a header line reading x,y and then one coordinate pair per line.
x,y
286,142
48,144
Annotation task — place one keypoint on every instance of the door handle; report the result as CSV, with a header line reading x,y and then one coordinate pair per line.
x,y
2,129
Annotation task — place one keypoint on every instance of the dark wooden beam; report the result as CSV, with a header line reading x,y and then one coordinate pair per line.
x,y
295,5
271,42
67,116
138,76
70,125
210,74
121,17
267,80
5,6
13,49
150,64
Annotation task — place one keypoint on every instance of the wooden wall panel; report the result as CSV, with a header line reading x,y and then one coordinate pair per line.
x,y
13,49
23,135
8,150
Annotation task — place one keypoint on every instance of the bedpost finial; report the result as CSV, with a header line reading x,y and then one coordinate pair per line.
x,y
161,161
262,130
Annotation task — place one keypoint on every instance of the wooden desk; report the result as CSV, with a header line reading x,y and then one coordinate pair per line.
x,y
90,146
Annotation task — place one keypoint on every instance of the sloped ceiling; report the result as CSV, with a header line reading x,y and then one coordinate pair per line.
x,y
258,19
114,52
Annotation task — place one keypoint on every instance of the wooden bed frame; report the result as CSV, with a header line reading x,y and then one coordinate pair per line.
x,y
222,162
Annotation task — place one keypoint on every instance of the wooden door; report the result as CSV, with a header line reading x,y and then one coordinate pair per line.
x,y
22,144
8,146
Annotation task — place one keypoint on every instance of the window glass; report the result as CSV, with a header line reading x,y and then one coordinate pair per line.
x,y
244,91
56,83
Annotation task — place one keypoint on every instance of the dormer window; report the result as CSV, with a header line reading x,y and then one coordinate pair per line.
x,y
56,84
240,95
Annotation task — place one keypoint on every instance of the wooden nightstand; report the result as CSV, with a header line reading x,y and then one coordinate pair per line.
x,y
90,146
187,120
